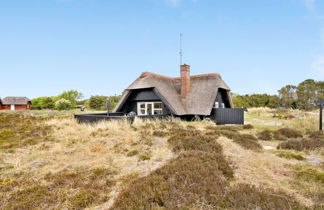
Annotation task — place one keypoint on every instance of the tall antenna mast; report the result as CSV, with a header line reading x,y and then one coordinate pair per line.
x,y
180,52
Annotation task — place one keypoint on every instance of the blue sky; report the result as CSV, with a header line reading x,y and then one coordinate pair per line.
x,y
100,46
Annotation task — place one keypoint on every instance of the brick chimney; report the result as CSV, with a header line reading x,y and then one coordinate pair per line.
x,y
185,80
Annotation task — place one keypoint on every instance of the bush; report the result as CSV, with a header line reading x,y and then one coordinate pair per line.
x,y
290,155
42,103
72,96
301,144
98,102
160,133
265,135
247,141
290,133
132,153
181,141
192,177
281,134
309,173
63,104
248,126
195,180
319,135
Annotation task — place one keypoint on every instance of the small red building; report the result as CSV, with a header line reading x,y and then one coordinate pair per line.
x,y
15,103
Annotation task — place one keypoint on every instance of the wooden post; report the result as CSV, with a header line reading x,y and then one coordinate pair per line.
x,y
108,106
320,103
321,118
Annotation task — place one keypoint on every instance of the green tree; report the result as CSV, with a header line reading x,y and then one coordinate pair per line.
x,y
42,103
113,100
72,95
98,102
320,90
307,93
63,104
288,96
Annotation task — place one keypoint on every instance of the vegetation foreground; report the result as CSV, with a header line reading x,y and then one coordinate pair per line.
x,y
48,161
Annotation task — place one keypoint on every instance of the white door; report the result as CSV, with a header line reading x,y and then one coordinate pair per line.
x,y
12,107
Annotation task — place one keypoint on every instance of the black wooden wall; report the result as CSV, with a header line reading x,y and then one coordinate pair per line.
x,y
145,95
222,97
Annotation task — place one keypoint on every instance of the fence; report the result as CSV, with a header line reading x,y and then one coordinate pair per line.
x,y
224,116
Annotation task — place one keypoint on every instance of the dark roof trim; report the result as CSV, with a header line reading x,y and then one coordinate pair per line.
x,y
164,100
122,102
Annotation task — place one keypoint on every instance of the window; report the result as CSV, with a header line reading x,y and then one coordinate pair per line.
x,y
149,108
141,110
158,108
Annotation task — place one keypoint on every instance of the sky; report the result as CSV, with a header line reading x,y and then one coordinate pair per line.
x,y
99,47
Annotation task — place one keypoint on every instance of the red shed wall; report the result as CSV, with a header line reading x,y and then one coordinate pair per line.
x,y
21,107
5,107
17,107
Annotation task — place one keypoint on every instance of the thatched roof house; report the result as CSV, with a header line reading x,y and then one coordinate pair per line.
x,y
15,103
153,94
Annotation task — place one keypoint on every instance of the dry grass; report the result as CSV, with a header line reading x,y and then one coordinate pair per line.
x,y
264,170
198,179
79,149
49,161
266,118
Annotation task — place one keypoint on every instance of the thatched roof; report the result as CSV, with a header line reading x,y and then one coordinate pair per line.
x,y
11,100
200,99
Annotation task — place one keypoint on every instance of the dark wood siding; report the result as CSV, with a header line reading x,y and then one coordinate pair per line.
x,y
147,95
228,116
222,97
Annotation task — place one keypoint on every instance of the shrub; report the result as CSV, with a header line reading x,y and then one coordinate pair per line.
x,y
309,173
98,102
63,104
144,156
265,135
82,199
42,103
290,133
72,96
247,141
132,153
319,135
179,184
160,133
197,179
195,141
244,196
21,130
248,126
30,198
290,155
301,144
278,136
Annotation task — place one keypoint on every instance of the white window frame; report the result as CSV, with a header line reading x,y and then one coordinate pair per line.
x,y
139,113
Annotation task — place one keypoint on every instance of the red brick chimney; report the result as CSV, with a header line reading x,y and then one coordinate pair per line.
x,y
185,80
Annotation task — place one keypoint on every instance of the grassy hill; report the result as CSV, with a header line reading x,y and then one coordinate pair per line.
x,y
48,161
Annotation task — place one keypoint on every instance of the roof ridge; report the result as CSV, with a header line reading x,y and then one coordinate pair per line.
x,y
145,74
